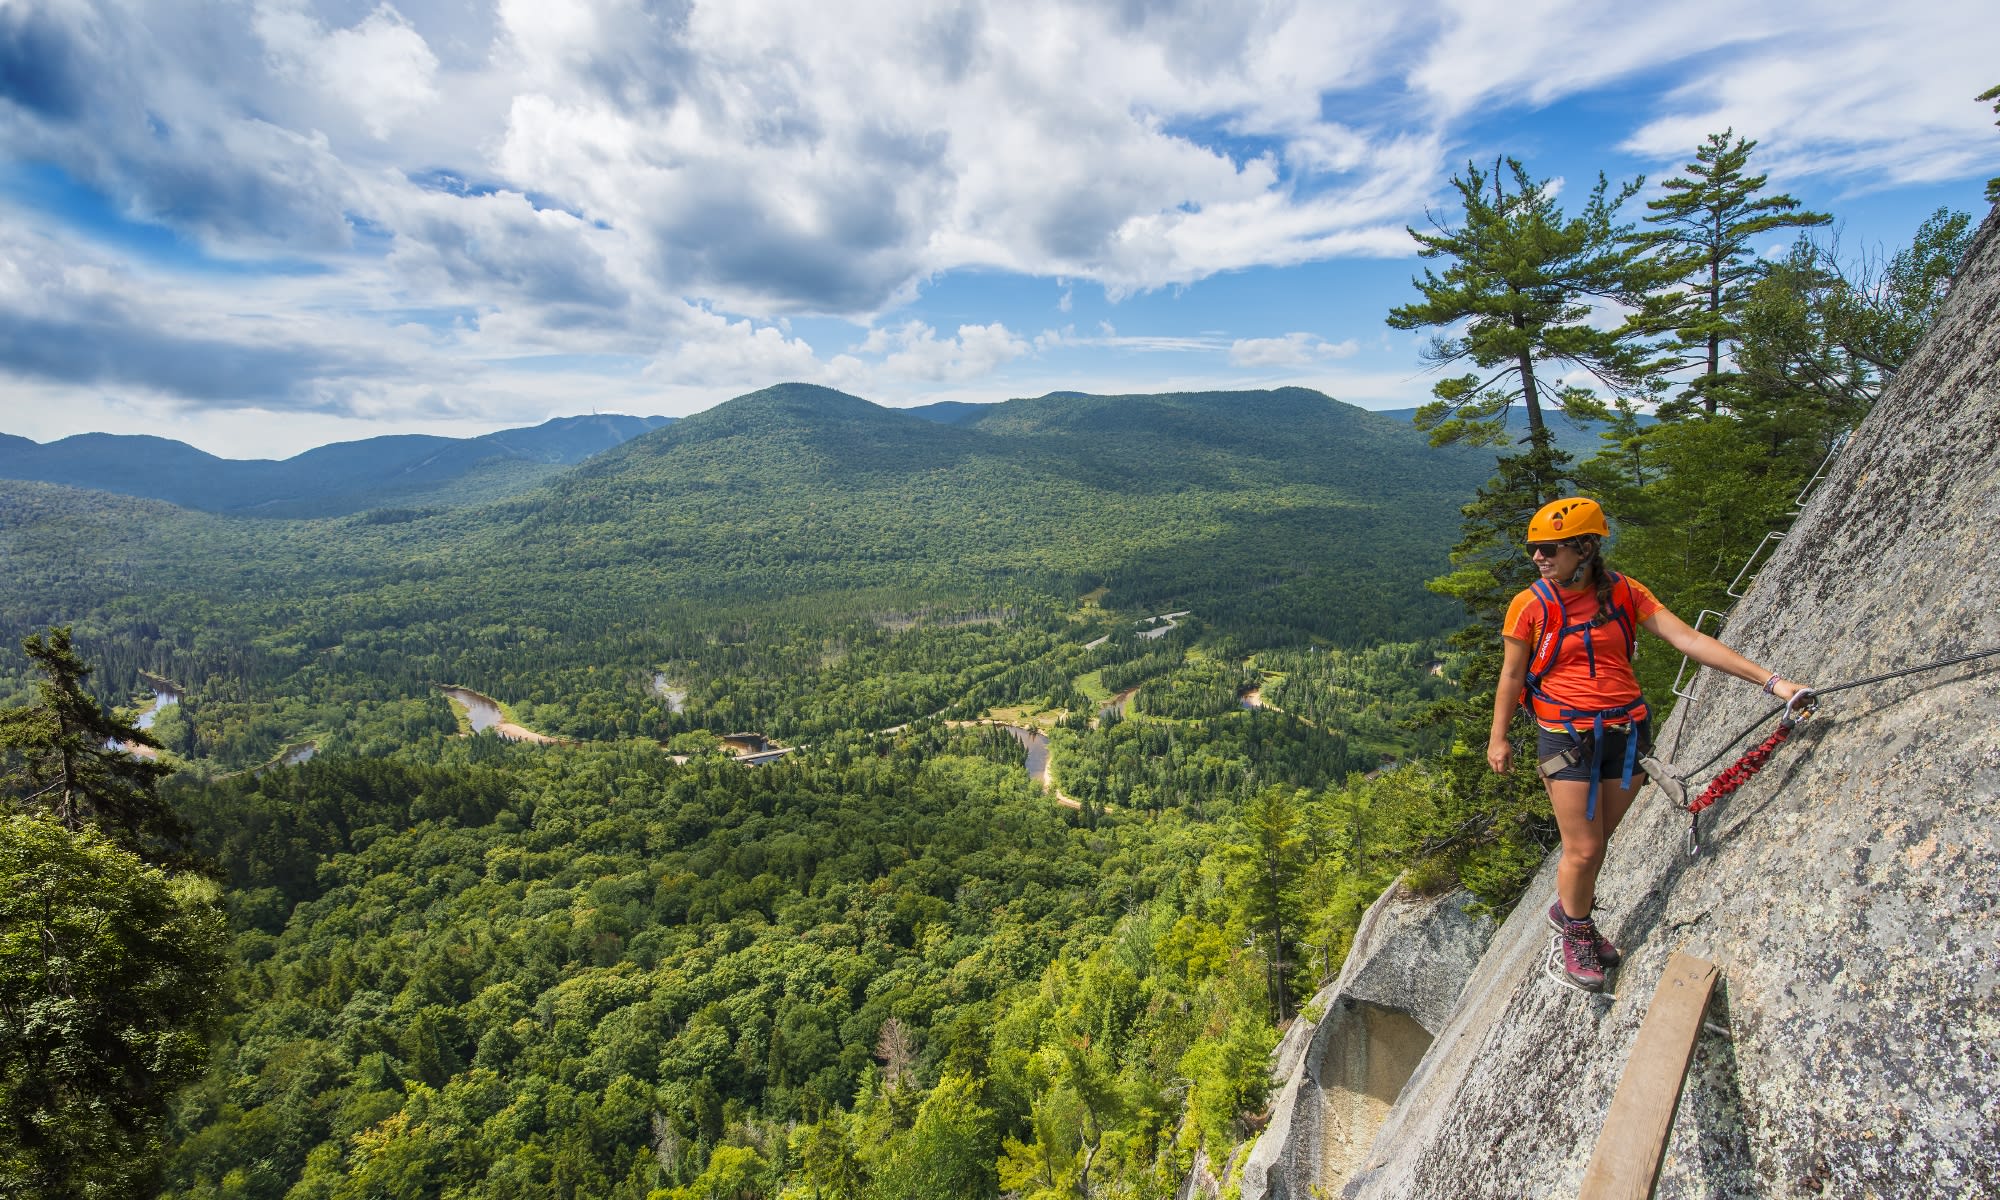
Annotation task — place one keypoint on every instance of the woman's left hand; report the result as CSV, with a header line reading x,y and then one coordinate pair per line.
x,y
1785,689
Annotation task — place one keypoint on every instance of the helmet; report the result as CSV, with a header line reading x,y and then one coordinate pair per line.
x,y
1566,518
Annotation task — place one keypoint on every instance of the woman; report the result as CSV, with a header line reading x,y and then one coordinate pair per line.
x,y
1568,645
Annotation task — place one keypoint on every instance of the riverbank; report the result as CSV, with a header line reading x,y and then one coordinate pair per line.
x,y
478,712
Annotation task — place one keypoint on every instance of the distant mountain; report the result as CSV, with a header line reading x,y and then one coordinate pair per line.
x,y
330,480
568,440
1283,507
949,412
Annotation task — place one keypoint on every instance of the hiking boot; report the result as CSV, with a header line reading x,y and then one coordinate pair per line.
x,y
1607,954
1579,956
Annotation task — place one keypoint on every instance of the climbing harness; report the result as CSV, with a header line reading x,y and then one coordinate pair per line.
x,y
1673,781
1548,650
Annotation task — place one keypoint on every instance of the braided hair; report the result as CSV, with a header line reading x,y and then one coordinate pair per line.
x,y
1592,548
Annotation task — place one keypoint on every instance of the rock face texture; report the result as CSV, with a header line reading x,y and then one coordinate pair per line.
x,y
1848,892
1410,959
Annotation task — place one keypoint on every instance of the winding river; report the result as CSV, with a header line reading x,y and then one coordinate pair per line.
x,y
484,713
162,698
1036,743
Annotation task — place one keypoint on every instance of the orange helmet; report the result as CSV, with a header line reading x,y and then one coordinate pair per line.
x,y
1566,518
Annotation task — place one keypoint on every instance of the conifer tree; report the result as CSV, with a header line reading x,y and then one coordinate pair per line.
x,y
108,965
1700,247
67,756
1523,279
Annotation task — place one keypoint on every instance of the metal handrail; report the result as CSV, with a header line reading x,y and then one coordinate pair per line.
x,y
1769,538
1839,442
1704,615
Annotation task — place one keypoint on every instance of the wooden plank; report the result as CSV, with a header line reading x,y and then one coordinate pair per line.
x,y
1634,1140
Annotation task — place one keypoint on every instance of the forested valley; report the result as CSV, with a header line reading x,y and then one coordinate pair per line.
x,y
318,939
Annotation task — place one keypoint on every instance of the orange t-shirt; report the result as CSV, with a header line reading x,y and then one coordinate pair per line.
x,y
1570,679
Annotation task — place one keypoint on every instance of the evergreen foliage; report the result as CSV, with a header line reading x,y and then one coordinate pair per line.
x,y
108,964
1701,242
1788,355
889,964
67,757
1522,278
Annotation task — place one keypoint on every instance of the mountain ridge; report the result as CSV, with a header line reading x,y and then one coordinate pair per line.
x,y
337,478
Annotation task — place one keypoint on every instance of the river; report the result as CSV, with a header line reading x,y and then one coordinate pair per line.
x,y
676,698
162,698
1036,743
484,713
1119,703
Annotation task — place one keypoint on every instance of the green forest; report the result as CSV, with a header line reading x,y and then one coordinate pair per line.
x,y
422,962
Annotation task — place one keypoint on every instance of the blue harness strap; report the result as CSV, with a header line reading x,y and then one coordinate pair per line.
x,y
1637,712
1548,650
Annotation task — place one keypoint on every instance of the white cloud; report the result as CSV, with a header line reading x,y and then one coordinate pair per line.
x,y
714,351
460,187
1108,338
1878,96
381,68
913,351
1293,349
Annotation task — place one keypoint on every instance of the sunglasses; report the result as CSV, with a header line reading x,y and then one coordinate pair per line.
x,y
1537,549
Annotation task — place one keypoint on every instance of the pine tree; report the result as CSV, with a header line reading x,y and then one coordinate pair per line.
x,y
68,757
1523,279
1268,865
1700,246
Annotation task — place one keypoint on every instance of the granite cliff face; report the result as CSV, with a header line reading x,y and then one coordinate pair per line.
x,y
1338,1076
1849,893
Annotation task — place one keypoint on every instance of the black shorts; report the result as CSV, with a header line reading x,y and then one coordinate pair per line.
x,y
1550,743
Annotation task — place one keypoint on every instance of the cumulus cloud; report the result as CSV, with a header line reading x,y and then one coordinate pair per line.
x,y
1291,350
1841,107
710,350
382,68
914,351
93,322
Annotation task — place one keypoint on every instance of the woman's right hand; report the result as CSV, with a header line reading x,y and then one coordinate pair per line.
x,y
1500,755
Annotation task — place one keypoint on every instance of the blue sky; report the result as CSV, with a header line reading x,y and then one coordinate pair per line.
x,y
263,225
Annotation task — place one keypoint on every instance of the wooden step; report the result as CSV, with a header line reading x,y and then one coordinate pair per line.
x,y
1634,1140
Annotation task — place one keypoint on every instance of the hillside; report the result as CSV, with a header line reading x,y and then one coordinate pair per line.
x,y
1283,509
628,962
1276,516
330,480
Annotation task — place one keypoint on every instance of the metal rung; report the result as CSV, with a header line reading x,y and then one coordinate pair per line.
x,y
1832,452
1769,538
1704,615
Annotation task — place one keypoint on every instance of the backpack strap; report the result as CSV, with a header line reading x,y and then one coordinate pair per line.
x,y
1548,648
